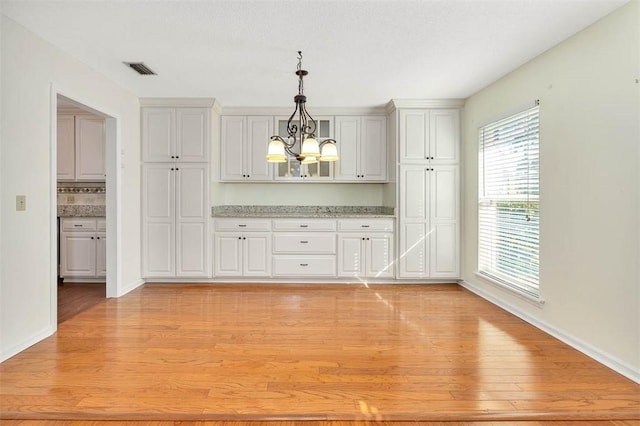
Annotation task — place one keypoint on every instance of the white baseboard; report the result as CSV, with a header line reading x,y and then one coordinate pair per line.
x,y
573,341
30,341
131,286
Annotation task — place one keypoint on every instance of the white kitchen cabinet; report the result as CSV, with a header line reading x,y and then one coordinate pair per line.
x,y
175,134
244,144
82,248
429,136
242,247
240,254
362,147
81,148
66,141
429,222
365,248
175,211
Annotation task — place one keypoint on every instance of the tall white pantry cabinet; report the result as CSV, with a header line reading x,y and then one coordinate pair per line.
x,y
175,191
428,188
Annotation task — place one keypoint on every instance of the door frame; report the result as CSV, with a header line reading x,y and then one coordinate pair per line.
x,y
112,185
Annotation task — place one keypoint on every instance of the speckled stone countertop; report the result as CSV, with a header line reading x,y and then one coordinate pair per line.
x,y
86,210
302,211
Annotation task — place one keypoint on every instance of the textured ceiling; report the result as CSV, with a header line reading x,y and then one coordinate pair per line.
x,y
357,52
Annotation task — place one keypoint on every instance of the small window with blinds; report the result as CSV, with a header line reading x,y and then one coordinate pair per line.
x,y
509,202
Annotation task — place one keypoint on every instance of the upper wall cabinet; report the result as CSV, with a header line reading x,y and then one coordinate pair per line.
x,y
175,134
293,170
245,140
429,135
81,148
362,145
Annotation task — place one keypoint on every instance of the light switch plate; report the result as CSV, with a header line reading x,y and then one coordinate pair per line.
x,y
21,203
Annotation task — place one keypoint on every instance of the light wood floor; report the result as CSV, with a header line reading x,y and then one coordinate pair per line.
x,y
325,354
74,298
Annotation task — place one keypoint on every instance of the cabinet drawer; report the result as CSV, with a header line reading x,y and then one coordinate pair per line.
x,y
79,224
239,224
304,225
321,266
303,242
382,225
101,224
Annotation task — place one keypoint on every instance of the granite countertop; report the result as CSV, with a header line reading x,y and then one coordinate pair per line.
x,y
81,210
302,211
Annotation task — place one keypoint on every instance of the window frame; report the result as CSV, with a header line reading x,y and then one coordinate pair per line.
x,y
508,250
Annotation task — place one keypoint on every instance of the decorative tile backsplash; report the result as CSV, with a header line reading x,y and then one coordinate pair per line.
x,y
81,193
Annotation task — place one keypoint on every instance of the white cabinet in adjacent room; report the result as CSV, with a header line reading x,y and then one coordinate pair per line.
x,y
80,148
175,220
244,144
362,146
429,135
82,248
175,134
429,222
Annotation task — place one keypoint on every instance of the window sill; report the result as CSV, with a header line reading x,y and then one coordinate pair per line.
x,y
534,300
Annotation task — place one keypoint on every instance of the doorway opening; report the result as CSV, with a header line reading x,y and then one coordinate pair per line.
x,y
83,187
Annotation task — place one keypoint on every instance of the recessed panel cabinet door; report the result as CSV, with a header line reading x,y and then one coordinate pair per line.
x,y
414,250
350,255
444,193
66,138
158,230
257,254
379,252
90,144
191,219
348,137
101,254
259,130
413,197
444,250
233,148
78,254
192,135
414,135
158,134
373,148
228,254
444,136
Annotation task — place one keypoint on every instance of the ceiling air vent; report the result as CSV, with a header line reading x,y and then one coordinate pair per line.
x,y
140,68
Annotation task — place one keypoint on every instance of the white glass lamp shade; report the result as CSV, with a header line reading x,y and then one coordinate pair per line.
x,y
310,147
275,153
309,160
329,152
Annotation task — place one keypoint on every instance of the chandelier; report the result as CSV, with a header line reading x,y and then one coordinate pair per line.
x,y
301,130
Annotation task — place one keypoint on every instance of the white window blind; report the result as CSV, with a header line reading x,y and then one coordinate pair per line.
x,y
508,201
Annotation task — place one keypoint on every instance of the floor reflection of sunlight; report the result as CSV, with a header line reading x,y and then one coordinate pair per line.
x,y
370,412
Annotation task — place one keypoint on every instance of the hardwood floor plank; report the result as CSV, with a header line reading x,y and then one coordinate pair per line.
x,y
317,354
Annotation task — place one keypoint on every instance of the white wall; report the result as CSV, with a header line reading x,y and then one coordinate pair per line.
x,y
30,66
590,186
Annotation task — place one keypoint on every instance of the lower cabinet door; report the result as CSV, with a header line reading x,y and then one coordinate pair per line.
x,y
228,254
350,259
101,254
78,254
257,254
379,256
444,250
191,250
414,251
